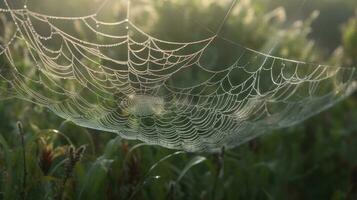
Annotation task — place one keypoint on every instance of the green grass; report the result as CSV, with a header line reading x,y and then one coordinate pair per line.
x,y
315,160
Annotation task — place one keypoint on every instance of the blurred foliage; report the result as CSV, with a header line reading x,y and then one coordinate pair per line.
x,y
350,39
315,160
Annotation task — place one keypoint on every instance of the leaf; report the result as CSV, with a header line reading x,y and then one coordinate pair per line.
x,y
194,161
6,148
271,165
162,160
3,143
54,169
146,178
269,196
151,179
138,146
97,173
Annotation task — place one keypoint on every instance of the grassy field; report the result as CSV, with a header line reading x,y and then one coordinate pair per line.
x,y
316,160
43,156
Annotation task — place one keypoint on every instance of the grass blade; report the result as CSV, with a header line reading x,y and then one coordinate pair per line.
x,y
194,161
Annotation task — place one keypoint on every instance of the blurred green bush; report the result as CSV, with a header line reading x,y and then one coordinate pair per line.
x,y
315,160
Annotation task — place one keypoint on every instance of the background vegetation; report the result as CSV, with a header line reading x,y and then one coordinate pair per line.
x,y
49,158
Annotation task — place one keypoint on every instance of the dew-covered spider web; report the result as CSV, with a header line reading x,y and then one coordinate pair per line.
x,y
116,74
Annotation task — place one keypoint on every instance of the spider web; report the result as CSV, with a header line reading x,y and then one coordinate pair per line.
x,y
120,79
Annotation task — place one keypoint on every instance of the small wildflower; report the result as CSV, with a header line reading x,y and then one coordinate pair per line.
x,y
46,160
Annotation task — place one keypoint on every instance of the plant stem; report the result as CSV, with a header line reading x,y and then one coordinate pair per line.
x,y
219,172
74,156
63,185
21,132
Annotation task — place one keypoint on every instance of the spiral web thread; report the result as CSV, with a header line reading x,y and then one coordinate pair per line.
x,y
135,95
